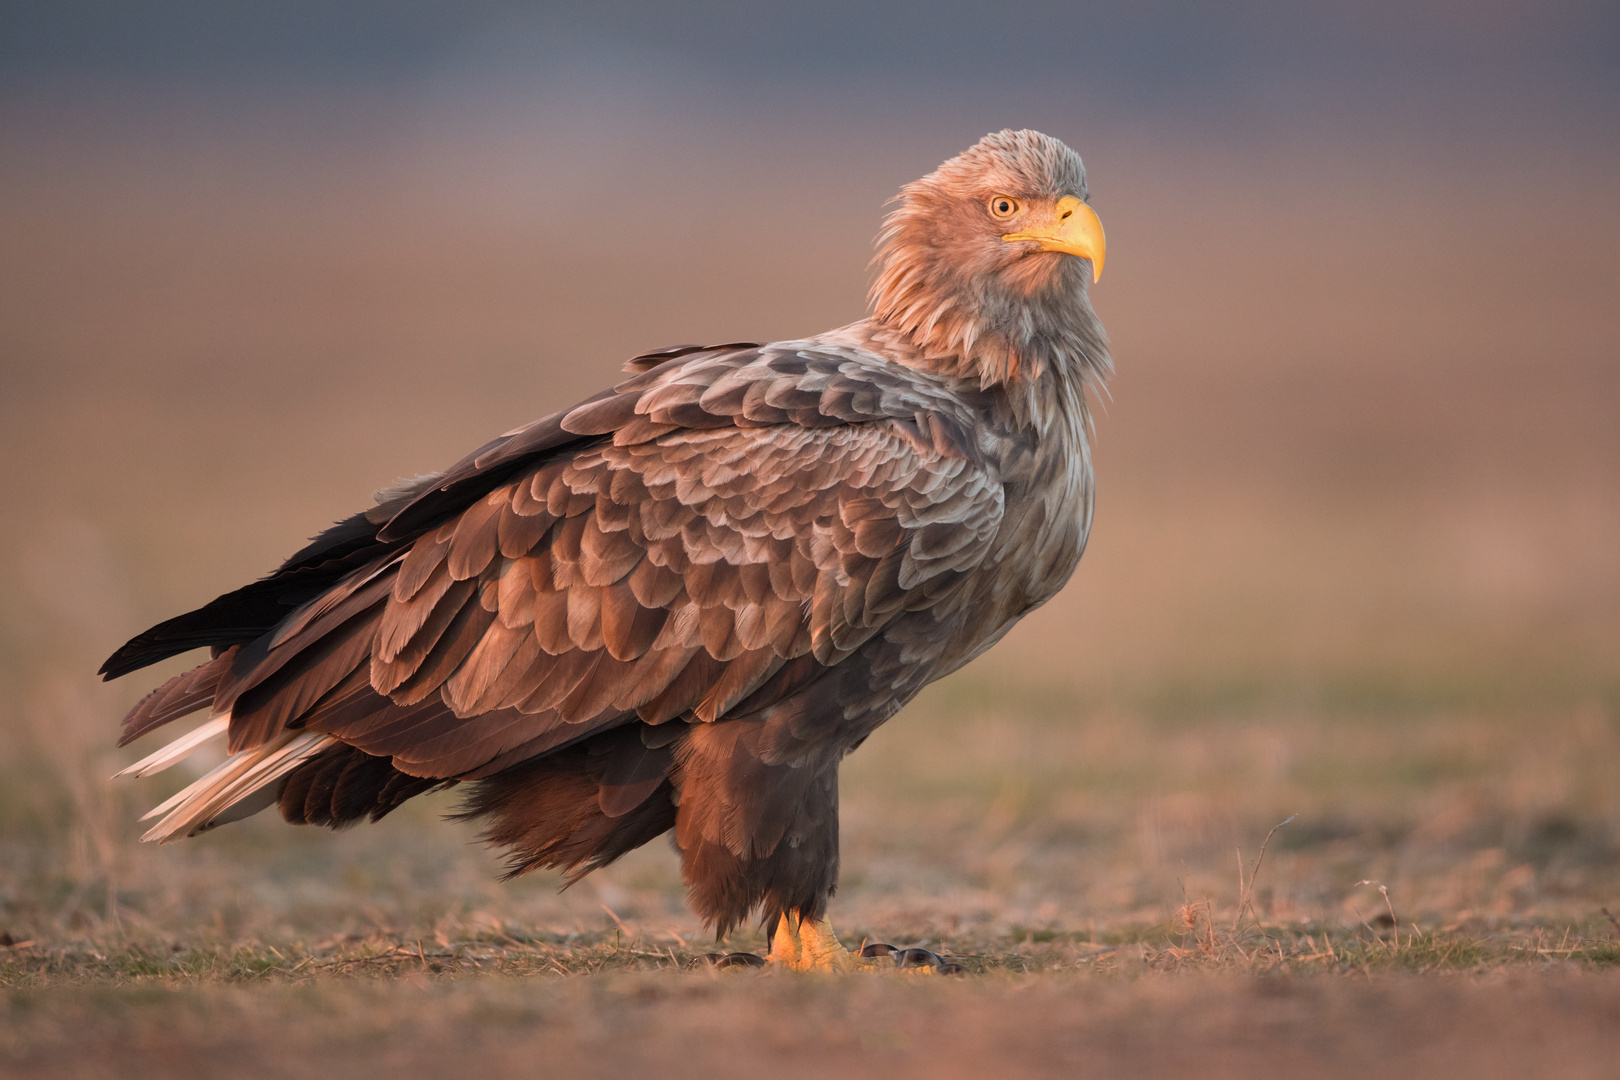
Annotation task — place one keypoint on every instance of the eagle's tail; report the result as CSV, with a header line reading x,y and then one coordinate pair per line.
x,y
241,785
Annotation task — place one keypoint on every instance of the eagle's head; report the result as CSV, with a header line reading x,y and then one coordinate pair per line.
x,y
985,262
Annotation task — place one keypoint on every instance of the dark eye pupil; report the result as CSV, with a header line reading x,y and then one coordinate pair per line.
x,y
1003,207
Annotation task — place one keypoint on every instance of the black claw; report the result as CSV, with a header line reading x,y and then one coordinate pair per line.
x,y
735,959
912,958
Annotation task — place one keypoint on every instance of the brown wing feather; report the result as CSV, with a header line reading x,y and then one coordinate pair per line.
x,y
739,524
180,696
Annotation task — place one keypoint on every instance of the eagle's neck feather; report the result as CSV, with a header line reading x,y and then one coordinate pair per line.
x,y
1027,330
1041,362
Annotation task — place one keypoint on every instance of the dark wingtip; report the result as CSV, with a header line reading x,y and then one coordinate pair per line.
x,y
193,630
126,659
150,646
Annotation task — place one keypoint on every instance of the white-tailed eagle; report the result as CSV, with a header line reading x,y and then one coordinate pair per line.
x,y
677,605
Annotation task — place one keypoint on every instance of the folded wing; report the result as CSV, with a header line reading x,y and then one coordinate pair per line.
x,y
708,537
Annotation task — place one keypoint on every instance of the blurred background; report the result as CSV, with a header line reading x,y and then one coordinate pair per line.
x,y
1357,549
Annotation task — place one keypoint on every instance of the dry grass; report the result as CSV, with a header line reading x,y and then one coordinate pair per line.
x,y
1083,867
1192,942
1356,572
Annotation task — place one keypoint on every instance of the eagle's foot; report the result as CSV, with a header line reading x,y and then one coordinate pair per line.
x,y
810,945
914,959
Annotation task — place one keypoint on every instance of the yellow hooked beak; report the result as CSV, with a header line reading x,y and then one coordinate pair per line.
x,y
1074,230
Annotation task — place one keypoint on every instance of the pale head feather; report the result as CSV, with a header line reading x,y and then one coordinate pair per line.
x,y
976,306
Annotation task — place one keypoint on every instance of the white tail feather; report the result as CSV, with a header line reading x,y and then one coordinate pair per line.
x,y
242,774
179,748
243,808
186,792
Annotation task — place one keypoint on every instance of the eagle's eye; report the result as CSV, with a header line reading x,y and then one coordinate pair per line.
x,y
1003,206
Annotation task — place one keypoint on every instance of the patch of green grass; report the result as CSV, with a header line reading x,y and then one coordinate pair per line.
x,y
1602,954
1419,952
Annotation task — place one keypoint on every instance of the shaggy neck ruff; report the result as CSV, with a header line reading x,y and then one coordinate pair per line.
x,y
1025,326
